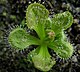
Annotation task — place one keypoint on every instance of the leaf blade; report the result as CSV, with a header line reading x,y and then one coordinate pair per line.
x,y
62,21
42,60
61,46
36,16
18,38
35,12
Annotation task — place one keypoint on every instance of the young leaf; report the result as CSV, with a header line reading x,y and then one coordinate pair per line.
x,y
36,16
62,21
61,46
42,59
18,38
22,24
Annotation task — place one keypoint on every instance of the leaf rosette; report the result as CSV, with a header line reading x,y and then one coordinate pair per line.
x,y
50,33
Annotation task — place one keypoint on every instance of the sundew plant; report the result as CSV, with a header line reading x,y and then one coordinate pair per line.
x,y
50,33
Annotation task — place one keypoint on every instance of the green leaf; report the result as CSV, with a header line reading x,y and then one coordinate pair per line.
x,y
22,24
18,38
42,59
62,21
36,13
36,16
48,23
32,53
61,46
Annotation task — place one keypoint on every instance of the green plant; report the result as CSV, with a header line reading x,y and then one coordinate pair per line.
x,y
51,35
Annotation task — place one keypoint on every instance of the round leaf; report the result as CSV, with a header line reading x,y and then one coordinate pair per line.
x,y
18,38
62,21
36,14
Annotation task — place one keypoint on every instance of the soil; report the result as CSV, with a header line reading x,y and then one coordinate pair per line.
x,y
12,12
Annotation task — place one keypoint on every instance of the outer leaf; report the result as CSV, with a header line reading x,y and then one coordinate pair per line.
x,y
42,60
18,38
36,16
36,13
61,46
33,53
62,21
